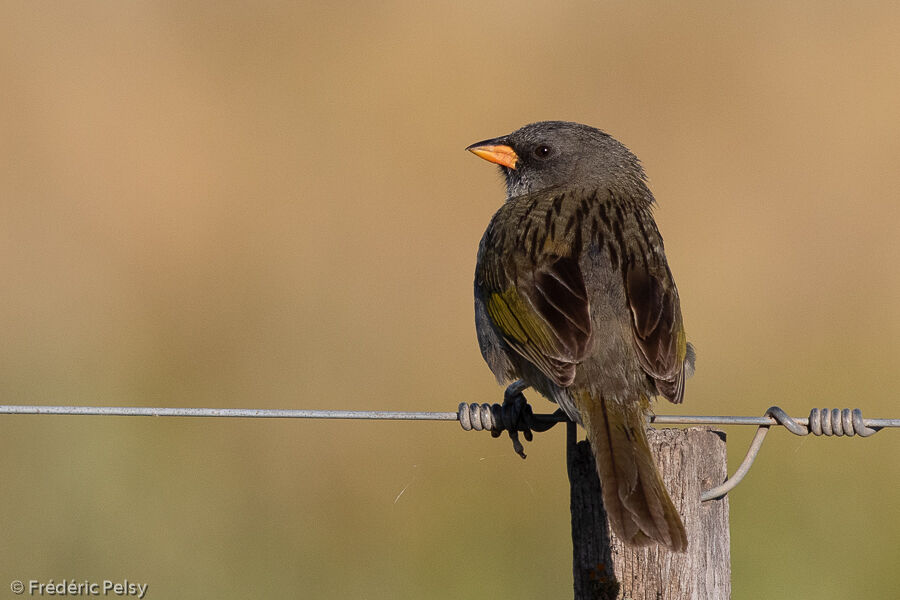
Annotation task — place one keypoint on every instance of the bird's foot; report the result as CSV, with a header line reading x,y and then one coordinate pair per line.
x,y
516,414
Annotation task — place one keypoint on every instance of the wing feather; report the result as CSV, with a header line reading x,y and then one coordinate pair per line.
x,y
544,315
658,328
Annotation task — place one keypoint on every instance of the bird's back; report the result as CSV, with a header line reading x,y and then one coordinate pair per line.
x,y
602,232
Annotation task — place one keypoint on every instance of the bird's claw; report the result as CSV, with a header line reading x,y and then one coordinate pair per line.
x,y
516,413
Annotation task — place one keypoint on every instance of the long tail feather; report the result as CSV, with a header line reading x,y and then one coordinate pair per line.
x,y
636,501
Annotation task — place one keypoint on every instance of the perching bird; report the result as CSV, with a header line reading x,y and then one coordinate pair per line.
x,y
574,297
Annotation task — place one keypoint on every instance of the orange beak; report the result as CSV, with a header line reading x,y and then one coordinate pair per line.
x,y
494,152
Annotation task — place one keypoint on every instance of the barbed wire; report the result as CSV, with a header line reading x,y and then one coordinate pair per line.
x,y
513,418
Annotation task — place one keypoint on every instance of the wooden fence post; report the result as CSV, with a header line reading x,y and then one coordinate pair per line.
x,y
691,461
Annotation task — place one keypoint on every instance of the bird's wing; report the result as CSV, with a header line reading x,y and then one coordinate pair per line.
x,y
543,314
658,329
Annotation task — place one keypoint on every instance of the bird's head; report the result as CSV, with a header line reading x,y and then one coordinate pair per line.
x,y
561,154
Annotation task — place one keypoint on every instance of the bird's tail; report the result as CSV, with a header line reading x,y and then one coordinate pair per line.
x,y
636,501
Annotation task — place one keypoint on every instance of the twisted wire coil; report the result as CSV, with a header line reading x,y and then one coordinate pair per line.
x,y
833,422
821,422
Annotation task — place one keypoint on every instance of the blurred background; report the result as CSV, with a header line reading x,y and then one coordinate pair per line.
x,y
269,205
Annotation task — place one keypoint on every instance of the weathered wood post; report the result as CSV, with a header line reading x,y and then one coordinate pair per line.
x,y
691,461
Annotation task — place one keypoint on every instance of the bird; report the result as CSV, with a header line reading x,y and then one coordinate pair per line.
x,y
574,298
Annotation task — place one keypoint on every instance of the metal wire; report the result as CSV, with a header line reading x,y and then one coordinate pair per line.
x,y
846,422
826,422
496,419
273,413
255,413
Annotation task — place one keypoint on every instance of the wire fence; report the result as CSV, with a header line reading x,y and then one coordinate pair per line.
x,y
252,413
497,418
274,413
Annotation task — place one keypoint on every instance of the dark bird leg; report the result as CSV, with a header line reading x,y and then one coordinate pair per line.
x,y
516,415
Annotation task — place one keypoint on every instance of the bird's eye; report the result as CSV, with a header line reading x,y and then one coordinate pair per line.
x,y
542,151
